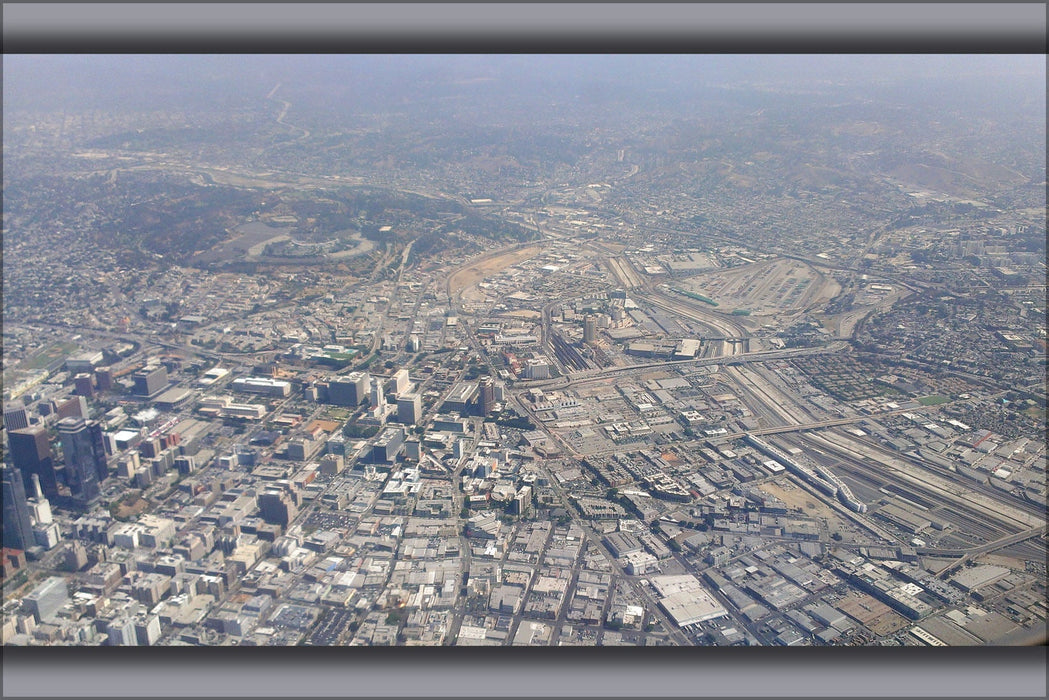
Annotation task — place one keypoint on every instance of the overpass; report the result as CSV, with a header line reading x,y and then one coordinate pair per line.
x,y
990,547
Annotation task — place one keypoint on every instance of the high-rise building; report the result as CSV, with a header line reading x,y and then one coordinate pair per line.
x,y
120,632
461,398
31,453
47,599
378,400
150,381
15,416
332,464
72,407
589,329
147,630
18,527
486,400
85,457
85,384
400,382
277,507
388,445
537,369
39,507
104,378
349,390
409,408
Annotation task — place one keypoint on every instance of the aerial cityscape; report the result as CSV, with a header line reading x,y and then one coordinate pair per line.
x,y
524,350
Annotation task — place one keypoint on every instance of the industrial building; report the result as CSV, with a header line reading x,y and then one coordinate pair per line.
x,y
685,599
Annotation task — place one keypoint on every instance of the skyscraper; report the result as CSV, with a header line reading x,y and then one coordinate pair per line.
x,y
277,507
85,457
15,416
85,384
104,378
31,454
400,382
18,528
149,381
589,329
409,408
72,407
349,390
486,399
378,400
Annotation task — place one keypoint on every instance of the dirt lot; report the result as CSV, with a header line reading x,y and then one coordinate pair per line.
x,y
473,274
796,497
874,615
524,313
128,508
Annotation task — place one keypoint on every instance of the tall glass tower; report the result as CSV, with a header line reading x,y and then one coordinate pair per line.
x,y
18,528
85,457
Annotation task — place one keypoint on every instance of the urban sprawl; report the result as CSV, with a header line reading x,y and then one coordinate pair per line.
x,y
712,412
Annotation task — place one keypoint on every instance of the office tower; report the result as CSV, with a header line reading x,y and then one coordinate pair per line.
x,y
461,398
104,378
39,507
85,384
85,458
522,501
149,447
149,381
73,407
349,390
332,464
31,453
47,599
121,633
486,401
400,382
15,416
277,507
409,408
18,527
185,464
388,445
147,630
589,329
378,401
537,369
35,491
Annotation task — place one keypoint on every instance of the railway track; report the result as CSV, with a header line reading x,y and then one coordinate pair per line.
x,y
969,505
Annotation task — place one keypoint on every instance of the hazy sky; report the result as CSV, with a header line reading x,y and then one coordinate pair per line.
x,y
130,80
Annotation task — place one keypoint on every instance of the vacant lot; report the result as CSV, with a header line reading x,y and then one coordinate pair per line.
x,y
797,497
472,274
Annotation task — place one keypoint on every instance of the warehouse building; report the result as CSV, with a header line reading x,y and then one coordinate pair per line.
x,y
685,599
